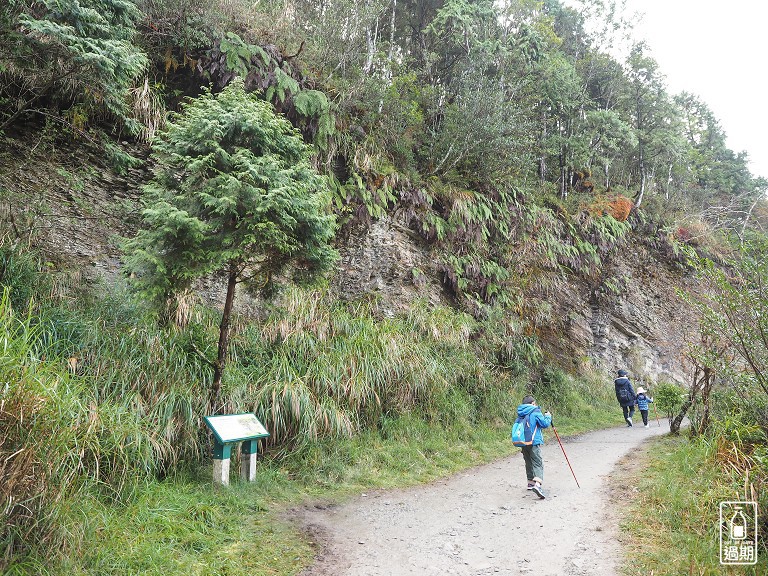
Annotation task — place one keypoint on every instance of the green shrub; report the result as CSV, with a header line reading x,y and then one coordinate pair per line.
x,y
669,397
20,272
120,160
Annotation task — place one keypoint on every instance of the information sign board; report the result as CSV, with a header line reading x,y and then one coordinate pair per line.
x,y
232,428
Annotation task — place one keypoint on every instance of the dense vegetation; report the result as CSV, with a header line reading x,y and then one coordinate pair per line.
x,y
100,405
508,135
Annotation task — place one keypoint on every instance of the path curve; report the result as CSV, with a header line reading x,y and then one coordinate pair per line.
x,y
483,521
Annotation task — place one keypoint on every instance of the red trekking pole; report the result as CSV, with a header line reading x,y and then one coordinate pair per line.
x,y
655,411
564,454
657,414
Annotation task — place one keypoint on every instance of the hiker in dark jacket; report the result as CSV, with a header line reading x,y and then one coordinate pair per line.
x,y
625,394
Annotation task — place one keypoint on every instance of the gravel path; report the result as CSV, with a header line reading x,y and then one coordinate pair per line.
x,y
483,521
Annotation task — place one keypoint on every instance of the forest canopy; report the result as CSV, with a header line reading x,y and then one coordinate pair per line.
x,y
449,113
471,92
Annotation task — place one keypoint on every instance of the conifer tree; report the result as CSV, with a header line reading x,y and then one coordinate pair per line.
x,y
233,194
69,53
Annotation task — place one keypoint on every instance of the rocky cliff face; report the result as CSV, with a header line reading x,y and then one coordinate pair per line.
x,y
644,328
74,208
67,201
387,261
641,326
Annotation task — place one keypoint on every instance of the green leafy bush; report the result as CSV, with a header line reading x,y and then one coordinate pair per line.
x,y
669,397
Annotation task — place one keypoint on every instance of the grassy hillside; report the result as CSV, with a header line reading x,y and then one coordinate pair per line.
x,y
672,521
106,461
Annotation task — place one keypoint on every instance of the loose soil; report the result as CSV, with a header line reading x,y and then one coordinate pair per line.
x,y
484,522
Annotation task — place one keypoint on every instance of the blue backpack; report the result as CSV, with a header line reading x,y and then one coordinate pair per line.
x,y
522,432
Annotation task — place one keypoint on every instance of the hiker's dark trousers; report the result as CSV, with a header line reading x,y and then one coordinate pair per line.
x,y
629,411
534,464
644,414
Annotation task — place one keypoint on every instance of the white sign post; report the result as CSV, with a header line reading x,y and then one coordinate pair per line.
x,y
231,429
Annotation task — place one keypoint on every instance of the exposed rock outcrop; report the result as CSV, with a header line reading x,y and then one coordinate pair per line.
x,y
388,261
639,323
68,202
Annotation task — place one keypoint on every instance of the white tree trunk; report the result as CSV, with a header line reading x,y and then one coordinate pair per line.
x,y
390,53
372,36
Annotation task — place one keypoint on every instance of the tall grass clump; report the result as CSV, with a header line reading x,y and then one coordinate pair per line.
x,y
56,440
320,368
24,382
93,401
124,361
20,273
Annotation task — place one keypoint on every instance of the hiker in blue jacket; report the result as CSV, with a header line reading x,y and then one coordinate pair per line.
x,y
625,394
529,414
642,404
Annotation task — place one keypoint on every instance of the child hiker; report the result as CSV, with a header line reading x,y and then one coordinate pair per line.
x,y
642,404
526,433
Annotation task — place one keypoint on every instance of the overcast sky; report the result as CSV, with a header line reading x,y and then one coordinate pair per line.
x,y
716,50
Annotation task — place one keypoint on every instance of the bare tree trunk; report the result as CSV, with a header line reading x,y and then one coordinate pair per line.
x,y
744,225
391,36
563,167
390,53
643,177
372,37
563,183
703,380
674,427
706,389
221,357
542,143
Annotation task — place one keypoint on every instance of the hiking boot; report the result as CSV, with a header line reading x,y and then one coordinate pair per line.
x,y
629,421
538,491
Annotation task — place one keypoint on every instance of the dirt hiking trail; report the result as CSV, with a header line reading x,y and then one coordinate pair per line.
x,y
484,522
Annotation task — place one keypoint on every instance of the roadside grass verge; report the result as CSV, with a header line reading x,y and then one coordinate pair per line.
x,y
671,521
185,525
